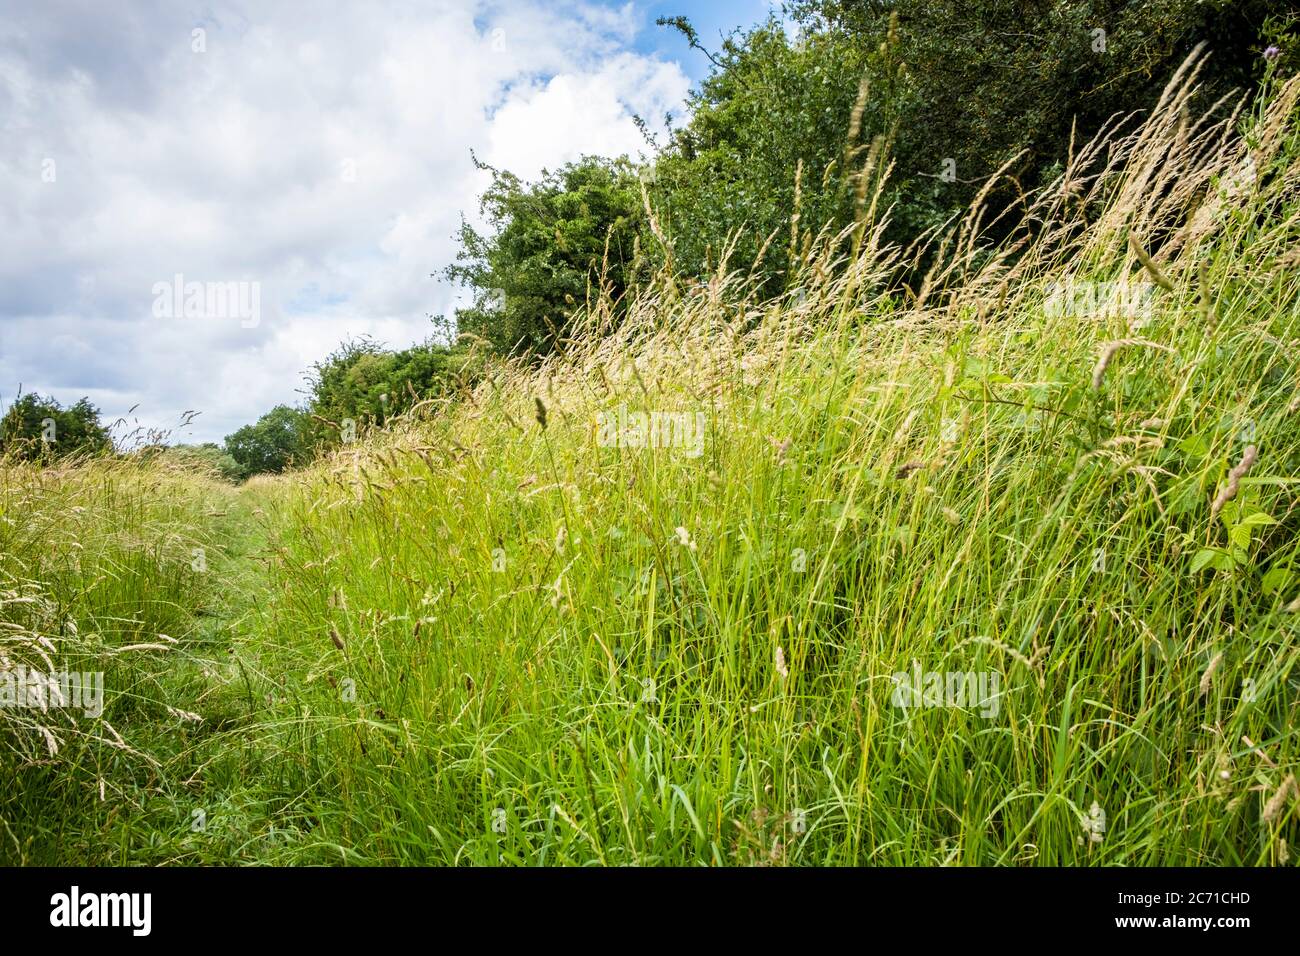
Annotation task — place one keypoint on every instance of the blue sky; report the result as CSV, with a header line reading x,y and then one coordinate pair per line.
x,y
711,20
259,157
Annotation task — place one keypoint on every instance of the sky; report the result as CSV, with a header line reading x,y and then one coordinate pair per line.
x,y
201,199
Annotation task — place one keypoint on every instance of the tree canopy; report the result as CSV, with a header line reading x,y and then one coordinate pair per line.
x,y
271,444
37,428
550,241
949,91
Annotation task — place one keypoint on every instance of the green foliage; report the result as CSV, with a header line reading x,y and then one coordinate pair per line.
x,y
603,653
955,89
365,384
274,442
360,385
768,110
40,428
1009,77
551,241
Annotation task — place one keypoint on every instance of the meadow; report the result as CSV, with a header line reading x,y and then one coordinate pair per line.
x,y
997,570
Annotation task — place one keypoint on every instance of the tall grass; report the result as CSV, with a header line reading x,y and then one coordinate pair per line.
x,y
100,573
483,636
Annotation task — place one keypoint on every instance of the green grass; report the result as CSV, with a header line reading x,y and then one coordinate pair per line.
x,y
481,638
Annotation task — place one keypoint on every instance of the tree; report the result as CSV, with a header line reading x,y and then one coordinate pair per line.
x,y
274,442
36,428
770,112
551,241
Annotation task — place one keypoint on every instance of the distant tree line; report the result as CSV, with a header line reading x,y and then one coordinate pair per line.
x,y
359,387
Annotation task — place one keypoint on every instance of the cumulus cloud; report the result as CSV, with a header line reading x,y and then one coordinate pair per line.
x,y
322,153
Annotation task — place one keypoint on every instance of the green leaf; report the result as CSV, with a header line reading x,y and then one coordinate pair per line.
x,y
1214,558
1239,535
1195,446
1257,519
1277,580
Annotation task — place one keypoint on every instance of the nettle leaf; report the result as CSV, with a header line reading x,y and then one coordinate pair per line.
x,y
1184,497
1278,580
1239,535
1215,558
1241,528
1195,446
1233,511
1257,519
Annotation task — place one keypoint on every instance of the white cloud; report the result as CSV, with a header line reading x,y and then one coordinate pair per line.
x,y
582,114
324,155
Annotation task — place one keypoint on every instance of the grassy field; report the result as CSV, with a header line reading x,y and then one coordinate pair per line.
x,y
1001,569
